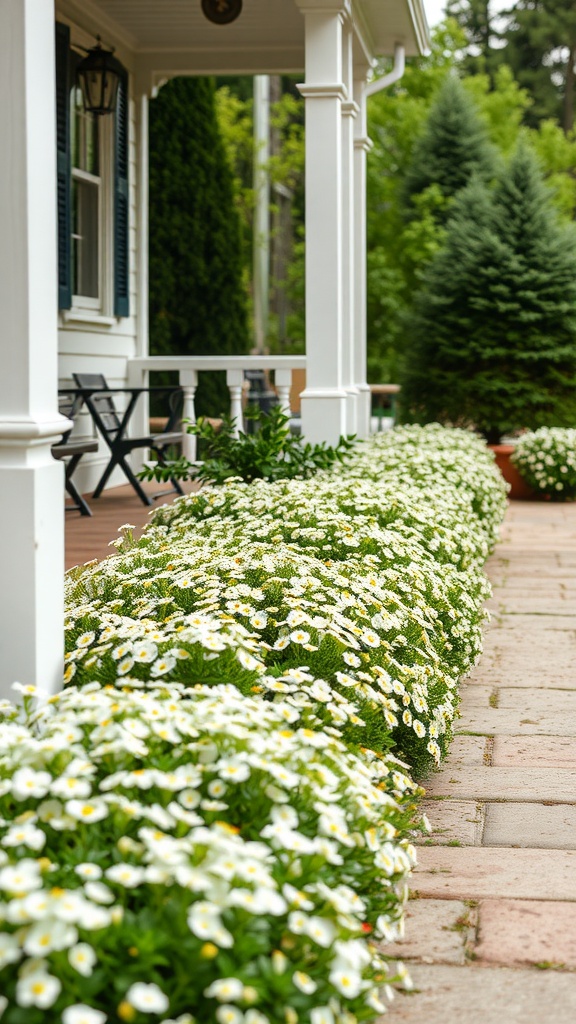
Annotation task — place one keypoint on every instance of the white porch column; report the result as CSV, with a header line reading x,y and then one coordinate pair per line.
x,y
324,400
140,425
349,113
362,146
31,481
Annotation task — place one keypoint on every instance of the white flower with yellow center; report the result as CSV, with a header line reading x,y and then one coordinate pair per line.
x,y
145,652
88,871
147,998
229,1015
304,982
127,875
37,989
321,1015
233,769
225,989
82,958
23,878
88,811
82,1014
300,636
68,786
98,892
162,665
49,936
85,639
25,835
28,783
204,921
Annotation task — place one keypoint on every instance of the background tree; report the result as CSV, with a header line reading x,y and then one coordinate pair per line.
x,y
453,146
491,339
197,294
481,54
540,38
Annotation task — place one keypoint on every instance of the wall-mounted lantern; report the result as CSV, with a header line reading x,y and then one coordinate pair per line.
x,y
98,76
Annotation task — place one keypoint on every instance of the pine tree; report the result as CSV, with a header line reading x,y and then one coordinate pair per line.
x,y
475,19
453,147
197,295
541,50
491,340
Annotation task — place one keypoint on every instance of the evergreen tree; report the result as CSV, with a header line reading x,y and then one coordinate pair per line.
x,y
197,296
541,50
491,340
475,19
453,147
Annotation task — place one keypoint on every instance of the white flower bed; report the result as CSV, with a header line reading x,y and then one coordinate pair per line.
x,y
209,821
170,851
546,458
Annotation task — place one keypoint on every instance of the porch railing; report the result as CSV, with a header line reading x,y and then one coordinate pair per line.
x,y
188,369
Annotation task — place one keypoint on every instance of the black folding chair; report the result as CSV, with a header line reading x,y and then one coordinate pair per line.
x,y
73,450
113,426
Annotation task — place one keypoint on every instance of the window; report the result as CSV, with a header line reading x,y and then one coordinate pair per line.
x,y
88,167
93,224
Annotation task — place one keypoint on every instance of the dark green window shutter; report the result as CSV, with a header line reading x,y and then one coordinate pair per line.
x,y
121,204
63,165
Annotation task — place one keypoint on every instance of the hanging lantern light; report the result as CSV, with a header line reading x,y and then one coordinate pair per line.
x,y
221,12
99,74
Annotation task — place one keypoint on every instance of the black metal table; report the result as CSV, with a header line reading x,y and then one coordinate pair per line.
x,y
113,426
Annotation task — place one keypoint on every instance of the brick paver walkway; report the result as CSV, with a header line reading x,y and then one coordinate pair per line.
x,y
491,932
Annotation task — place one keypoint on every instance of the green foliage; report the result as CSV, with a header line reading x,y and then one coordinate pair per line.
x,y
491,338
197,295
270,453
501,104
556,151
453,147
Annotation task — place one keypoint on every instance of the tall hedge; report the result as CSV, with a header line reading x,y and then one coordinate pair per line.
x,y
197,296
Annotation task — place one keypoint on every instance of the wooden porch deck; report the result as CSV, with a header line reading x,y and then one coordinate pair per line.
x,y
88,538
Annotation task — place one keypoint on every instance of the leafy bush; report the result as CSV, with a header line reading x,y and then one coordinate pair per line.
x,y
546,458
271,453
170,851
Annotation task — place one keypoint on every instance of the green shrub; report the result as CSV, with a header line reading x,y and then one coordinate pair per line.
x,y
272,452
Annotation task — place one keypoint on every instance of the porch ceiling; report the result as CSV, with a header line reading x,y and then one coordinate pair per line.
x,y
173,36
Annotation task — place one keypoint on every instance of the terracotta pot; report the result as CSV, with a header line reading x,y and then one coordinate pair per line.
x,y
519,489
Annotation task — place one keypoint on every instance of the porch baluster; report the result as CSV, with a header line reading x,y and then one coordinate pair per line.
x,y
235,380
188,383
283,380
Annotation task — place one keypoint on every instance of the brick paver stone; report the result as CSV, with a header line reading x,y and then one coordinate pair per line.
x,y
436,931
546,751
462,782
454,821
484,995
527,931
531,825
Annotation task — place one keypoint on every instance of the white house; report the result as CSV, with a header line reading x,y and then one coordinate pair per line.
x,y
73,236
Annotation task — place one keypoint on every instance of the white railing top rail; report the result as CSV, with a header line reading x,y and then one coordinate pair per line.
x,y
199,363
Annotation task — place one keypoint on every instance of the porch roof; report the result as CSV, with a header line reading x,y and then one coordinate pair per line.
x,y
173,36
